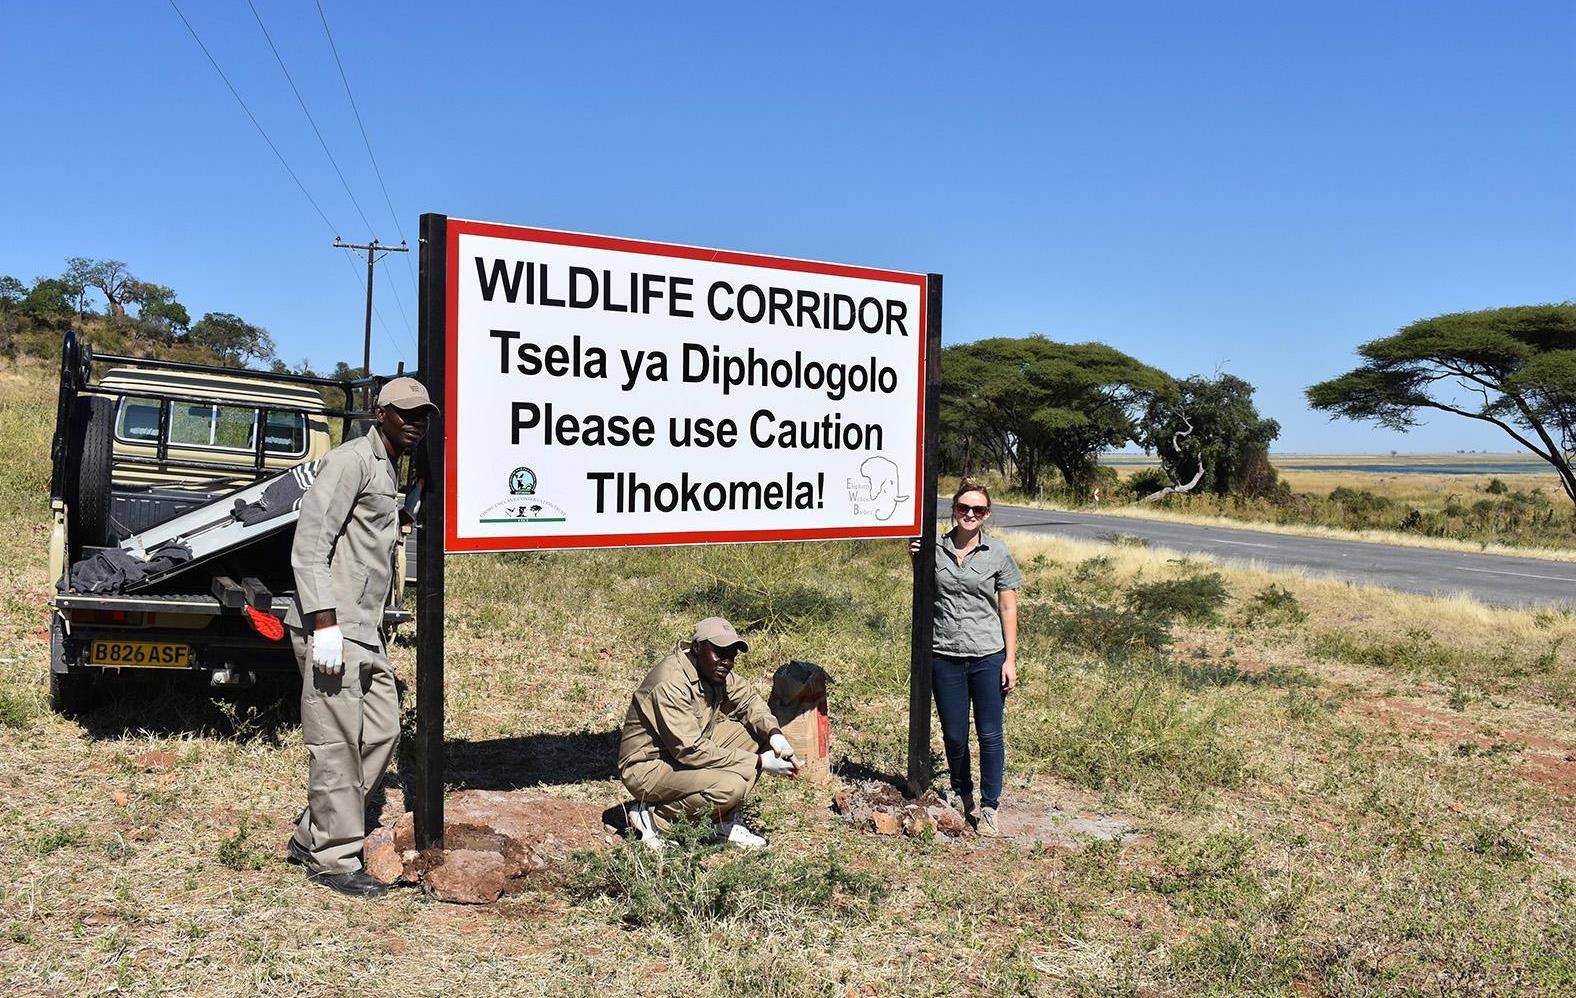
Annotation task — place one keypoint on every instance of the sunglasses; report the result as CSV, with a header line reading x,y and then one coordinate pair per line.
x,y
963,510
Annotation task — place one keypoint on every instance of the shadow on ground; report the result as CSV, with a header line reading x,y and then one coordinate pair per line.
x,y
170,706
523,761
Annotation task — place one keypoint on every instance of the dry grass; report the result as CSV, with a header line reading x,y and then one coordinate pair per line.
x,y
1346,850
1318,810
1145,512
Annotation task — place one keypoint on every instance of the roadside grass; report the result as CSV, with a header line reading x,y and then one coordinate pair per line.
x,y
1547,552
1525,514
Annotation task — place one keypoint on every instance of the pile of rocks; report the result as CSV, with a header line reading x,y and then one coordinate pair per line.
x,y
882,808
493,842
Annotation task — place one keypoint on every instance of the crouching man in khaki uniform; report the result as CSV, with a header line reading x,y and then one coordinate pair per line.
x,y
696,738
343,558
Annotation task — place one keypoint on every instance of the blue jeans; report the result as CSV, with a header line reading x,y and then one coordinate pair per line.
x,y
958,682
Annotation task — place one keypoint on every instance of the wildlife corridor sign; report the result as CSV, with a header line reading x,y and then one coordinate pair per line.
x,y
611,392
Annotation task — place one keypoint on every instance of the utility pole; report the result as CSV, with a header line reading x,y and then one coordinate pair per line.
x,y
372,248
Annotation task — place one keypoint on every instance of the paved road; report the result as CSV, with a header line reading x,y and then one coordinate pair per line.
x,y
1496,579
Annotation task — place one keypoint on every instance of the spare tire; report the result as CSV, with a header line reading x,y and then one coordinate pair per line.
x,y
89,466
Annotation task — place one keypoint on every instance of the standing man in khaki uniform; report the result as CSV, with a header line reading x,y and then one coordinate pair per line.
x,y
344,560
693,739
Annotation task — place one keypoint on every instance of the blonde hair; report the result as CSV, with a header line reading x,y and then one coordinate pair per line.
x,y
972,485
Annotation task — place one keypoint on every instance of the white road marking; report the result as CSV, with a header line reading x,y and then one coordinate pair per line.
x,y
1523,575
1246,544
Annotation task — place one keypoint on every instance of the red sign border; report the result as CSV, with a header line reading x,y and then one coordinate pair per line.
x,y
453,544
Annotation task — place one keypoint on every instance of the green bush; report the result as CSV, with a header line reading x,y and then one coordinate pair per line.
x,y
1273,606
1148,481
693,887
16,710
1148,734
1359,501
1195,598
241,851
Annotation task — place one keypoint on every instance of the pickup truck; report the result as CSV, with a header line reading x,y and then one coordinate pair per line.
x,y
141,442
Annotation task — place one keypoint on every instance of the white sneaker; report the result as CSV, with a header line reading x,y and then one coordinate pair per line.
x,y
641,820
735,834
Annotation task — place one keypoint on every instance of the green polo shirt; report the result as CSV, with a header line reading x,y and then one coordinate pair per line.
x,y
968,621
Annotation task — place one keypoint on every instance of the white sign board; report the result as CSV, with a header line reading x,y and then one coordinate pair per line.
x,y
609,392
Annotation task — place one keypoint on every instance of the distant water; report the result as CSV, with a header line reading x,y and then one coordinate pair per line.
x,y
1462,468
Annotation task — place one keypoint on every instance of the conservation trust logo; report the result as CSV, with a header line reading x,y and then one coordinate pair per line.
x,y
523,504
876,492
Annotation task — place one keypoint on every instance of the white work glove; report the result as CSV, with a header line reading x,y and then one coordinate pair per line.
x,y
782,746
328,650
771,762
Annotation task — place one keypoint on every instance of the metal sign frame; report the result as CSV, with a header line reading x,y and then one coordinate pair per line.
x,y
437,315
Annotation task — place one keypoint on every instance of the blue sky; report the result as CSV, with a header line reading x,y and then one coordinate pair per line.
x,y
1254,188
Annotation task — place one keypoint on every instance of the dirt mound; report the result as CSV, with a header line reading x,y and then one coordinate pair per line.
x,y
492,842
1070,821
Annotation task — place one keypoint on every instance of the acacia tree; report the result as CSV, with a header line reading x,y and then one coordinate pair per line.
x,y
110,278
1514,368
1034,404
1211,432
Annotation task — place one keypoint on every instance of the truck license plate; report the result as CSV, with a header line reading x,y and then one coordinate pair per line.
x,y
140,654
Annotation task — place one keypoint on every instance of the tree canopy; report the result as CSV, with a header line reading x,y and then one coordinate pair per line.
x,y
232,339
1035,404
1514,368
157,310
1212,429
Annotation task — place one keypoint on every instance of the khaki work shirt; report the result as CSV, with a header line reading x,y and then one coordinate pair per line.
x,y
968,620
343,554
673,712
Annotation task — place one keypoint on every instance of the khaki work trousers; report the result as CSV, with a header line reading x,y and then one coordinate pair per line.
x,y
350,723
676,793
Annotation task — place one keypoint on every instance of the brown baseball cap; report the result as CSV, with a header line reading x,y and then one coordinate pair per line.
x,y
406,393
720,633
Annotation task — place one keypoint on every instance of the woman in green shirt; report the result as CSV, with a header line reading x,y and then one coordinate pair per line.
x,y
975,647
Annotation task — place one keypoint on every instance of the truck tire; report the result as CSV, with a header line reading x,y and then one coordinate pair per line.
x,y
69,693
88,470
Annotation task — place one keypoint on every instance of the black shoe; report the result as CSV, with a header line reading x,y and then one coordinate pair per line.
x,y
296,854
355,884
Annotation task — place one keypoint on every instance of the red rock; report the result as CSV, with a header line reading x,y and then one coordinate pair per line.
x,y
156,760
120,798
950,822
405,832
886,823
840,800
469,876
1458,807
380,857
917,822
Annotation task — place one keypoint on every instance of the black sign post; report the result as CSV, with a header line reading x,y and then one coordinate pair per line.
x,y
924,605
429,551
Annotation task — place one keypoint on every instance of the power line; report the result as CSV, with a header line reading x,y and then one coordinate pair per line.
x,y
253,118
409,330
310,120
368,142
383,323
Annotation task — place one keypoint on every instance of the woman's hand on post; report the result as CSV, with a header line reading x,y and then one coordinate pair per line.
x,y
913,547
